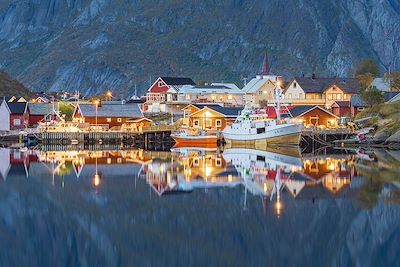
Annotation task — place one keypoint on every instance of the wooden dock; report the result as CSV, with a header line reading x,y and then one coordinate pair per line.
x,y
315,138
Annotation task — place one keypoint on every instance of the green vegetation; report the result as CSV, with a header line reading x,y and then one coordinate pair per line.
x,y
66,109
367,66
372,96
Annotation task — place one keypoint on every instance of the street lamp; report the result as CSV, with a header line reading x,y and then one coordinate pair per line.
x,y
109,95
96,103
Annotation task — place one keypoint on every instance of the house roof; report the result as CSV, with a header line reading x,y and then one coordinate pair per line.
x,y
389,95
356,101
209,89
343,104
41,108
319,85
380,84
229,85
226,111
17,107
113,110
255,84
395,98
178,81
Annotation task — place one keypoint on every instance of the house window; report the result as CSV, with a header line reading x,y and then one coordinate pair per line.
x,y
108,160
218,162
119,120
17,122
108,119
196,161
294,84
187,97
218,123
230,97
345,96
360,108
160,84
338,96
333,88
213,97
260,92
119,160
196,123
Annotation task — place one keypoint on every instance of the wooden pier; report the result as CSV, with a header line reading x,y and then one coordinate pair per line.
x,y
315,138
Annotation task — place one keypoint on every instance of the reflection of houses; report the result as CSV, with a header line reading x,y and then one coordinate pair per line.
x,y
210,117
13,163
107,114
185,173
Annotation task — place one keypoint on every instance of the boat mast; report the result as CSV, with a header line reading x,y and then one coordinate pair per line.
x,y
278,92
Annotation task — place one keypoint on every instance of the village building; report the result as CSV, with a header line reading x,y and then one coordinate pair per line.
x,y
164,91
314,116
13,115
226,95
381,84
357,105
110,115
342,108
41,112
320,91
210,117
261,90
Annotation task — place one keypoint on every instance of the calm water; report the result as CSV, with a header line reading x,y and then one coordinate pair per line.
x,y
239,207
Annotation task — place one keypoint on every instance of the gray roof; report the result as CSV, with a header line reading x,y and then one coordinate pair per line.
x,y
112,111
16,107
227,111
389,95
319,85
178,81
356,101
41,108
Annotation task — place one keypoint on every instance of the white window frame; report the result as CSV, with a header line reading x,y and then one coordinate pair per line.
x,y
17,122
196,123
160,84
218,123
119,120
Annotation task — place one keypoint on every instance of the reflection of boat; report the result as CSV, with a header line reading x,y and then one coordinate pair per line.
x,y
190,136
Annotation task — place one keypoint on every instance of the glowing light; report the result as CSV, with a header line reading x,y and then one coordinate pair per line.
x,y
109,94
96,102
278,206
331,166
96,180
278,83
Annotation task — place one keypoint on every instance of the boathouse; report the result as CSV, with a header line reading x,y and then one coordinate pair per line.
x,y
111,115
314,116
342,108
212,117
41,112
13,115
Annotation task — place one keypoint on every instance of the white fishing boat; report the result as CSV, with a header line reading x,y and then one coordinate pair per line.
x,y
254,127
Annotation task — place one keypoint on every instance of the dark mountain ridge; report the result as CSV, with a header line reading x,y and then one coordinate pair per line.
x,y
94,45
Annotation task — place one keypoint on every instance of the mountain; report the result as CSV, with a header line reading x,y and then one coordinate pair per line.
x,y
93,45
9,87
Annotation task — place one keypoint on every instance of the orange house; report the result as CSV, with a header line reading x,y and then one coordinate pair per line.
x,y
211,117
315,116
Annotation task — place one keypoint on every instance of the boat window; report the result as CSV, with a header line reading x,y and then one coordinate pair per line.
x,y
260,130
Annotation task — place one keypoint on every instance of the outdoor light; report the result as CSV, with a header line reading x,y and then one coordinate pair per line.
x,y
96,180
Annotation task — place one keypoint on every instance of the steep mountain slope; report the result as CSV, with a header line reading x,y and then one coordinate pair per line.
x,y
93,45
9,87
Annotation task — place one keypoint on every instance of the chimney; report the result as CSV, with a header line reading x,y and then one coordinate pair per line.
x,y
313,76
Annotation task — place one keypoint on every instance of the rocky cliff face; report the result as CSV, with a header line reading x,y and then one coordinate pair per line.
x,y
93,45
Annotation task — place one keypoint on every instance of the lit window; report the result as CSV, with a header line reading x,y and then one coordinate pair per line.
x,y
108,119
213,97
345,96
339,96
119,120
230,97
187,97
119,160
108,160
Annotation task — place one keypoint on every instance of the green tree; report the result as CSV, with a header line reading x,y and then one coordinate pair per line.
x,y
367,66
66,109
365,80
372,96
393,79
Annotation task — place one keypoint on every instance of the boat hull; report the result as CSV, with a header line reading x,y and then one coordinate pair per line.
x,y
283,135
191,141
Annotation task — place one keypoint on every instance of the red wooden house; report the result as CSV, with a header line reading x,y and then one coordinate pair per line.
x,y
13,115
342,108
